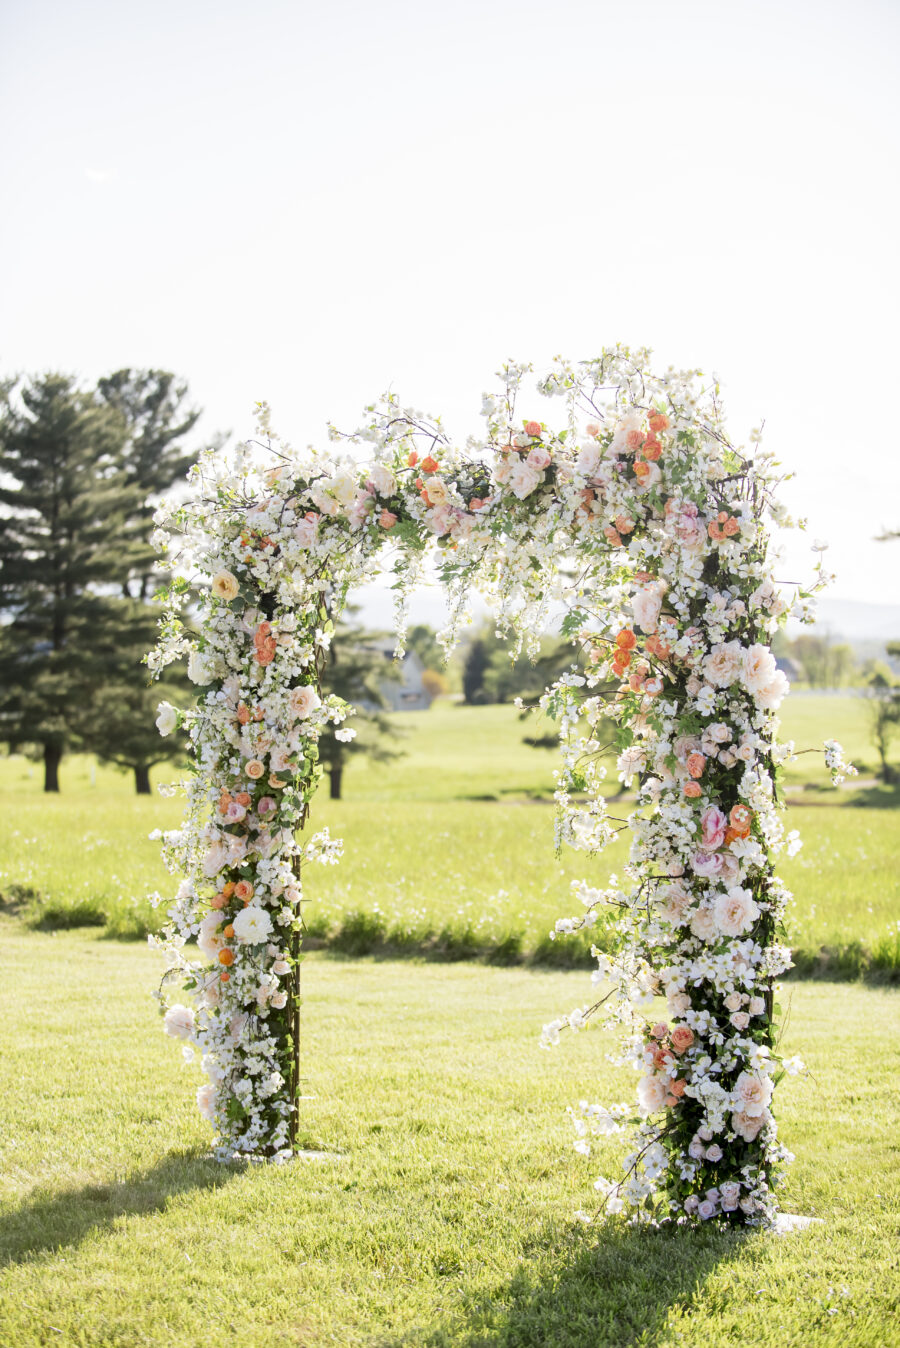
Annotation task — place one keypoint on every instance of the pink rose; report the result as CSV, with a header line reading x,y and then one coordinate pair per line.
x,y
538,458
305,533
713,824
266,805
707,864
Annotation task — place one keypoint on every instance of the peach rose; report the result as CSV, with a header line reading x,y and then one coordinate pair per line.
x,y
695,765
692,790
243,890
681,1038
255,769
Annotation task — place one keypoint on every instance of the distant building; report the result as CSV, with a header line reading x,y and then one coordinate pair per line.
x,y
790,668
408,693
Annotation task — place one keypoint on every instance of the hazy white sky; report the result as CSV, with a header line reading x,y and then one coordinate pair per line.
x,y
310,202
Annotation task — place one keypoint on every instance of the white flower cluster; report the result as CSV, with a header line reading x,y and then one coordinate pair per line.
x,y
651,529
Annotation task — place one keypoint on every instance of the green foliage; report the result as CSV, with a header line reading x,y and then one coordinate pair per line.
x,y
64,540
440,1212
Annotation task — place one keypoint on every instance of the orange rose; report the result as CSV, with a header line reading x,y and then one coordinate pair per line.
x,y
226,956
429,465
692,790
533,428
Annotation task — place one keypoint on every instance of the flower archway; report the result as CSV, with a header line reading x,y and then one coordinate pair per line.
x,y
641,523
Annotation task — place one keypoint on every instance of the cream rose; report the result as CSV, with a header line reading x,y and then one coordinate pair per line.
x,y
652,1091
723,664
383,480
304,701
438,493
179,1022
209,939
758,668
225,586
703,924
252,925
735,911
751,1095
206,1101
646,604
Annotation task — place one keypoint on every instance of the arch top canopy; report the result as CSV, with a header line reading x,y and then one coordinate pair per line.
x,y
633,514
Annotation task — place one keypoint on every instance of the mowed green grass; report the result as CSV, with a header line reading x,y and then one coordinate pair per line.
x,y
450,847
442,1213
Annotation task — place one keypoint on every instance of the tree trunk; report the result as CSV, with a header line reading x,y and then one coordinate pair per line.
x,y
52,760
142,779
335,776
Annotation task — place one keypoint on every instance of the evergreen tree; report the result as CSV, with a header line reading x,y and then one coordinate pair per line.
x,y
65,540
355,671
154,407
121,728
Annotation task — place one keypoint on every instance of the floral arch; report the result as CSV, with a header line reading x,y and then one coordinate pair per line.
x,y
639,520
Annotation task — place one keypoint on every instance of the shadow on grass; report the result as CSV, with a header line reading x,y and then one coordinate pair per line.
x,y
48,1220
616,1288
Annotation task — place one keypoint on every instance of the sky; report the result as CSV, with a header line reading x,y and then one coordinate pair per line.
x,y
310,203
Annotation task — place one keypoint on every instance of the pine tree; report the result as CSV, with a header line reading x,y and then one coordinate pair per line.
x,y
65,541
356,668
122,727
154,406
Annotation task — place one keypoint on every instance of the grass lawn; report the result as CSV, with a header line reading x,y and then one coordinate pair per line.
x,y
450,848
443,1214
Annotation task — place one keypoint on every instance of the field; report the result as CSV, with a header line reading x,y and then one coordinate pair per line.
x,y
441,1215
435,861
438,1209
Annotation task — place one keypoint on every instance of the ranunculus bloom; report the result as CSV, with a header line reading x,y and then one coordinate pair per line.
x,y
225,586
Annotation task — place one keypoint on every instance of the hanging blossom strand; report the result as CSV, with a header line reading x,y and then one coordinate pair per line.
x,y
652,532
